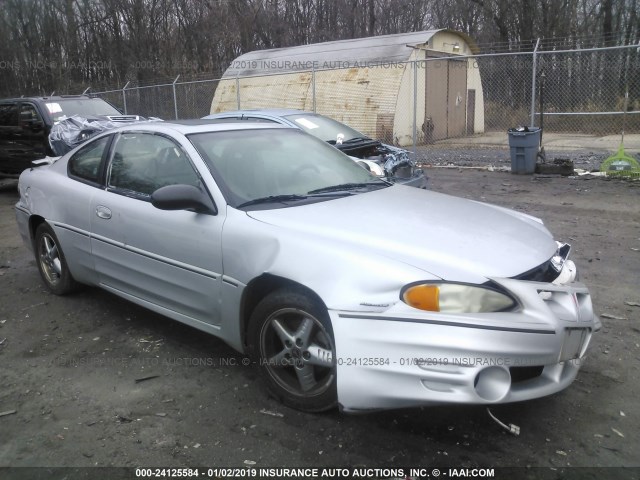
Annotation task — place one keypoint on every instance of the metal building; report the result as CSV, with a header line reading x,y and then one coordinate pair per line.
x,y
368,83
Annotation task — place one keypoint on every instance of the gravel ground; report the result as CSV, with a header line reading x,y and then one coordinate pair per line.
x,y
69,367
464,156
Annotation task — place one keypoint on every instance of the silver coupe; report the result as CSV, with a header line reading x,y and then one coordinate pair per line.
x,y
344,289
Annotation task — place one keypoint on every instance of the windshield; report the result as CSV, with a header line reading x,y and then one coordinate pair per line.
x,y
325,128
280,166
80,106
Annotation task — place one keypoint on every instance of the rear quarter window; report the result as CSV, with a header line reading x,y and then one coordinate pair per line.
x,y
85,163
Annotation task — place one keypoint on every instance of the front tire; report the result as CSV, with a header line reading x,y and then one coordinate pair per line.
x,y
291,338
51,262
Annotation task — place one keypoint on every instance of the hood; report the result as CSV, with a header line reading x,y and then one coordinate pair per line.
x,y
450,237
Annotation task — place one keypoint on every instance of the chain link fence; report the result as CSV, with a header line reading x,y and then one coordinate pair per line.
x,y
588,91
507,90
193,99
167,101
423,101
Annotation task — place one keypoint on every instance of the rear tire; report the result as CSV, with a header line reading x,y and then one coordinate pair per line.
x,y
51,262
291,338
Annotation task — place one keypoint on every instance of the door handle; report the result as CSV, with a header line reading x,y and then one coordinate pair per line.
x,y
103,212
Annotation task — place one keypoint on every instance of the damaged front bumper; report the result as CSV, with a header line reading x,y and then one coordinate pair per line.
x,y
405,357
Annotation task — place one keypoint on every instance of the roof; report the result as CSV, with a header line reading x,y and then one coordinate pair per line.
x,y
335,54
274,112
57,98
187,127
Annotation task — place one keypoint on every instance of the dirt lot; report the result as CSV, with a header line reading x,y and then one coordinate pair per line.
x,y
68,366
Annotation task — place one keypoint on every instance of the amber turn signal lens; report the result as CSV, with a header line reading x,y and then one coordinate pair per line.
x,y
424,297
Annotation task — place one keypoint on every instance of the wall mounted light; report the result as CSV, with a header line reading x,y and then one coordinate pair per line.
x,y
455,47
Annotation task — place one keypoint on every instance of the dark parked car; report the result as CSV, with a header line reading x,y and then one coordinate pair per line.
x,y
25,124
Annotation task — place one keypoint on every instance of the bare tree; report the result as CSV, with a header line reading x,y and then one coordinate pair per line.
x,y
66,45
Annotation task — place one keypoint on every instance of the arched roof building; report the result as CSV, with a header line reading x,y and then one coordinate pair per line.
x,y
369,83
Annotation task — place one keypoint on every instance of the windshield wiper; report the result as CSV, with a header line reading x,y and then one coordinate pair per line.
x,y
273,199
349,186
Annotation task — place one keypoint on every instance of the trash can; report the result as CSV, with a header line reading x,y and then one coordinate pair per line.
x,y
524,143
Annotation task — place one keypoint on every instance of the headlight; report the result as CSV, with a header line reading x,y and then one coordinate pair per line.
x,y
457,298
377,170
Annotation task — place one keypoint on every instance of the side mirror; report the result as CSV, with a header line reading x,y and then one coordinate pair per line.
x,y
183,197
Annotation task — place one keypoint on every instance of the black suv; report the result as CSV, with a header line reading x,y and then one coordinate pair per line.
x,y
25,124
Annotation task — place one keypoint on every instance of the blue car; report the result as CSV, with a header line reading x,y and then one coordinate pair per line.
x,y
386,161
